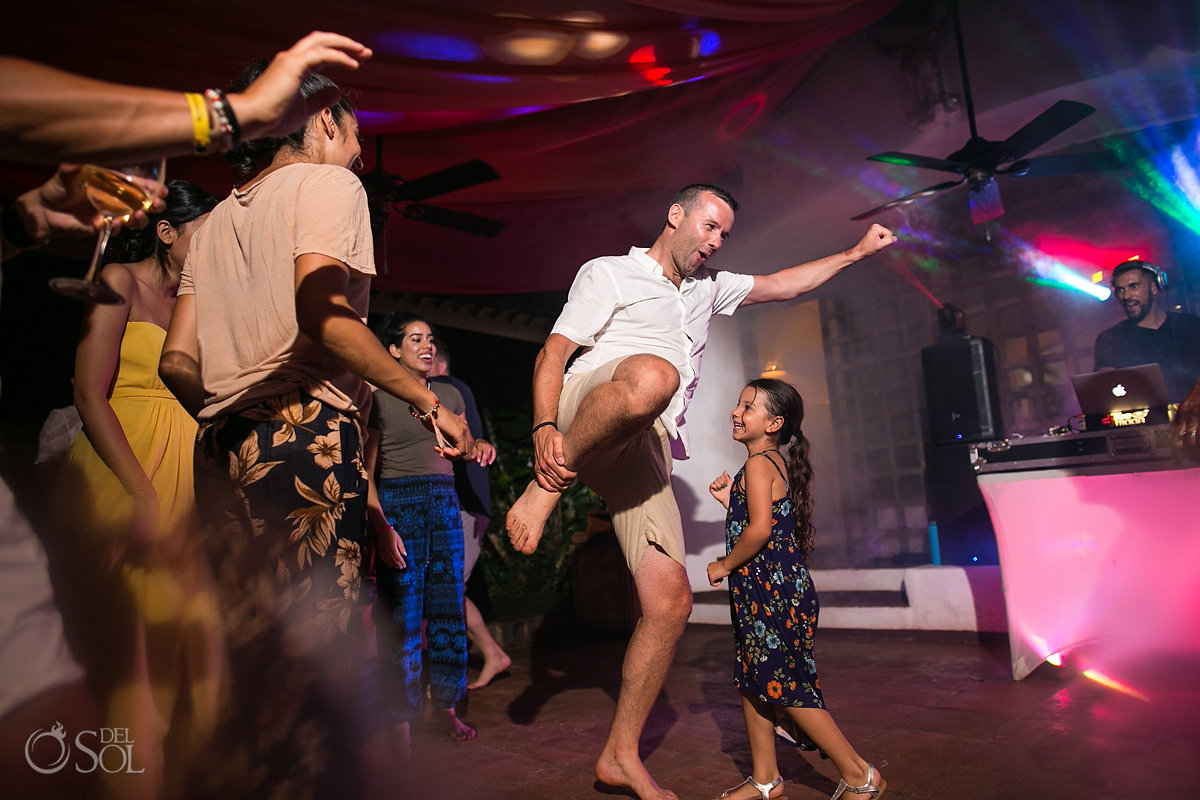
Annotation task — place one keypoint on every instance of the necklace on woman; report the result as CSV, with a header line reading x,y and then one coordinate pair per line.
x,y
768,450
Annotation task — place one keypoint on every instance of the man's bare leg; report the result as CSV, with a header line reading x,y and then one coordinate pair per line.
x,y
609,416
666,601
495,660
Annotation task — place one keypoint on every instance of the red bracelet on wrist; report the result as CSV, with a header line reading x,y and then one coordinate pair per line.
x,y
428,415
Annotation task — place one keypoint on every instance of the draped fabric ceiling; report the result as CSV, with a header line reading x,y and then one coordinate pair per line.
x,y
583,109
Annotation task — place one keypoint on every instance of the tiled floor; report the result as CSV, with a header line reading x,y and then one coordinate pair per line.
x,y
938,712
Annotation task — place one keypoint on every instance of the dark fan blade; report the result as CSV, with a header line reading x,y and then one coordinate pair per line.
x,y
449,180
912,160
379,184
909,198
1068,164
457,220
1050,123
985,202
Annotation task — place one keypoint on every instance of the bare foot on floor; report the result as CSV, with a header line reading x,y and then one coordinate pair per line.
x,y
492,666
612,777
402,741
527,517
455,727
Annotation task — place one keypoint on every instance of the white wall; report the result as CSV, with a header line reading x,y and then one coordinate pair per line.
x,y
723,374
789,335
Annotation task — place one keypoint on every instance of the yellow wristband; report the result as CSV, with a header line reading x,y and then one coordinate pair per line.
x,y
201,133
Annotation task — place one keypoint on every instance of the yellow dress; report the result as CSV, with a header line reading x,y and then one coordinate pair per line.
x,y
161,434
144,618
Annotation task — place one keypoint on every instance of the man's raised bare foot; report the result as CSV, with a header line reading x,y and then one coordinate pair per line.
x,y
613,777
527,518
493,665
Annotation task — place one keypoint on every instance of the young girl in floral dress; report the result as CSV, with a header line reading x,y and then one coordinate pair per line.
x,y
773,603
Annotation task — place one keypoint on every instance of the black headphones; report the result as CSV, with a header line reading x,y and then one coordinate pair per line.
x,y
1160,277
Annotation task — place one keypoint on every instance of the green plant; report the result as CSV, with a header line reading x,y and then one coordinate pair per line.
x,y
512,577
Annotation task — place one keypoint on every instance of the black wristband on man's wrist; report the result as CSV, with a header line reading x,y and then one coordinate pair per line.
x,y
551,423
14,229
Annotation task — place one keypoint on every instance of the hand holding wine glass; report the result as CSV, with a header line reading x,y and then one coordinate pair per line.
x,y
118,194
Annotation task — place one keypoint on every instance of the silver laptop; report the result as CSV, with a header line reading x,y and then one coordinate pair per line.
x,y
1125,389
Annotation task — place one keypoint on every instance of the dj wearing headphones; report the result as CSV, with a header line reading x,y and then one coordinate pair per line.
x,y
1150,334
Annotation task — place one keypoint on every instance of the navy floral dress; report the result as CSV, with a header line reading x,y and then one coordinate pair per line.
x,y
774,607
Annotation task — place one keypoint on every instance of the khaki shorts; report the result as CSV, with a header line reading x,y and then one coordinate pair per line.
x,y
634,480
474,526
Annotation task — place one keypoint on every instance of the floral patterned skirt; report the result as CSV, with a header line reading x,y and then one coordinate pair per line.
x,y
283,488
774,608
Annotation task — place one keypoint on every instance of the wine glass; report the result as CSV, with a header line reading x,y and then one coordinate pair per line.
x,y
114,194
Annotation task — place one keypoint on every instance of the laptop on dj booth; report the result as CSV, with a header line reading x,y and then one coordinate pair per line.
x,y
1115,398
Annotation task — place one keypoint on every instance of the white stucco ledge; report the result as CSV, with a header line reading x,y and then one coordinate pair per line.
x,y
940,598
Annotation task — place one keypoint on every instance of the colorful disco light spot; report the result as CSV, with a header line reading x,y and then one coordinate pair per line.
x,y
520,110
928,264
1185,175
1040,646
527,46
646,62
373,119
740,116
477,78
1054,659
1086,255
709,43
1047,271
1061,263
1110,682
1171,181
428,47
593,43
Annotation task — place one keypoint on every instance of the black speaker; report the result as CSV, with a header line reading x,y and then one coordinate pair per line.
x,y
964,529
961,392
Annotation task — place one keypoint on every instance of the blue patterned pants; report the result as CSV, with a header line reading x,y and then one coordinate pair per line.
x,y
424,511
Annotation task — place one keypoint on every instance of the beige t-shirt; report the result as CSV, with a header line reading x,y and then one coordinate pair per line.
x,y
241,269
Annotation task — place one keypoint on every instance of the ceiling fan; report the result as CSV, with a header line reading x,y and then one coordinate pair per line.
x,y
386,191
980,160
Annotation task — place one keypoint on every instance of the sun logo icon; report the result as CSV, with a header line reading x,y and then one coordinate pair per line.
x,y
59,734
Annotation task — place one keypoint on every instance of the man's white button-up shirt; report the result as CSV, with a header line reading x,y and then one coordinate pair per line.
x,y
620,306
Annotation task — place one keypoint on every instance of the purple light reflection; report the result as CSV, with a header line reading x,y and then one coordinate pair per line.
x,y
428,46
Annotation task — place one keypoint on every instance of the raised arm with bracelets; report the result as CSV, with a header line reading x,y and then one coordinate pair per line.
x,y
48,115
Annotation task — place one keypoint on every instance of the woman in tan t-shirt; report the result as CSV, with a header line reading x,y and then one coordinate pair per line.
x,y
268,347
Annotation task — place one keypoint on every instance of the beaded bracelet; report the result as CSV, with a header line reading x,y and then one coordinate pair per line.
x,y
201,132
227,121
220,111
428,415
551,423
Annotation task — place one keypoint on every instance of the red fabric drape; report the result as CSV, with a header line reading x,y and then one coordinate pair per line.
x,y
574,109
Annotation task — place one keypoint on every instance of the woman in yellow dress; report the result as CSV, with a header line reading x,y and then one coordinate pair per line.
x,y
136,602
